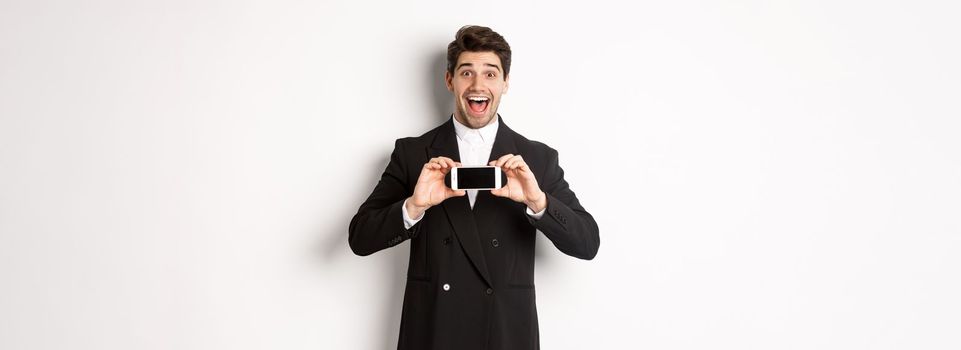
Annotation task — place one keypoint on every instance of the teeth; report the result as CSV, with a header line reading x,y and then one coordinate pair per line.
x,y
478,99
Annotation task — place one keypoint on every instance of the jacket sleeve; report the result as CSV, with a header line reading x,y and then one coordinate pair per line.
x,y
379,223
565,222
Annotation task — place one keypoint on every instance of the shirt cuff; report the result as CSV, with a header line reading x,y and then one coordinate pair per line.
x,y
408,222
535,216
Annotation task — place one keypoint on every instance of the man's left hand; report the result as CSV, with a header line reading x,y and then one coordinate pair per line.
x,y
521,185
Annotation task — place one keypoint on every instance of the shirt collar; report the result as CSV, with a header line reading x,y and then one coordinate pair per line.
x,y
487,133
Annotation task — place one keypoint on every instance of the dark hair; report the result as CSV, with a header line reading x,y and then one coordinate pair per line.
x,y
478,39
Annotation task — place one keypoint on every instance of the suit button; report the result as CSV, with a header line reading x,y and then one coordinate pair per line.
x,y
446,287
495,243
490,291
447,241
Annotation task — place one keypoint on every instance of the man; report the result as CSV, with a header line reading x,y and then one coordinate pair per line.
x,y
470,279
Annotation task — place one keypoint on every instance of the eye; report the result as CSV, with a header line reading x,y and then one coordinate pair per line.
x,y
491,75
466,73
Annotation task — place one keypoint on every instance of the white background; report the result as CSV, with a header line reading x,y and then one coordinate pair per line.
x,y
765,175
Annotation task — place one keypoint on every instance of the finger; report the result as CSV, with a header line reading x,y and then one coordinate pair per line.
x,y
522,165
439,161
502,192
516,162
448,192
446,161
519,162
500,161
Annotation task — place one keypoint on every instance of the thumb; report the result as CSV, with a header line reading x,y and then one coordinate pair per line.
x,y
498,192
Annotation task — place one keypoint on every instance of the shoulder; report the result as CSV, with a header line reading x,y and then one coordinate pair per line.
x,y
538,155
417,142
533,149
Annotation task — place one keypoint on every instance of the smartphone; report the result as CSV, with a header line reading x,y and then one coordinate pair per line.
x,y
476,178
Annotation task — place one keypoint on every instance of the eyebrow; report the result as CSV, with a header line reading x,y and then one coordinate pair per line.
x,y
486,64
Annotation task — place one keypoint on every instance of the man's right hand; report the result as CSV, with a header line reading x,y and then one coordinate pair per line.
x,y
431,189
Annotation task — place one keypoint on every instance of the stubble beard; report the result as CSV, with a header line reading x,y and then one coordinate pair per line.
x,y
469,121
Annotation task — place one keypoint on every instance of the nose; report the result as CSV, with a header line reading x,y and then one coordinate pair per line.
x,y
475,83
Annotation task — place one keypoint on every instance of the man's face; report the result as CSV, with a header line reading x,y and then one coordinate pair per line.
x,y
477,84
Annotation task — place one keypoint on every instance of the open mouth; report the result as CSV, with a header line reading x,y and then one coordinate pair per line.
x,y
478,104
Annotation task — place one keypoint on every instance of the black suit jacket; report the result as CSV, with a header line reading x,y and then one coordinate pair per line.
x,y
470,278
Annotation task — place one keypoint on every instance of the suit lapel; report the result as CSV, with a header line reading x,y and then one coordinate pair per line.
x,y
503,144
458,208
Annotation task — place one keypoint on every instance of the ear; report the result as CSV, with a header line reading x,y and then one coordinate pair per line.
x,y
507,84
447,78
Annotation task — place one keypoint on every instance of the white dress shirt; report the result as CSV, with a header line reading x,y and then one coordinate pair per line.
x,y
475,149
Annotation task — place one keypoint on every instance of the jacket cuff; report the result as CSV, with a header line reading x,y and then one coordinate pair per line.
x,y
408,222
535,216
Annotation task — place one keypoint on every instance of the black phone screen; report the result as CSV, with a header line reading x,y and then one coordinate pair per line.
x,y
468,178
